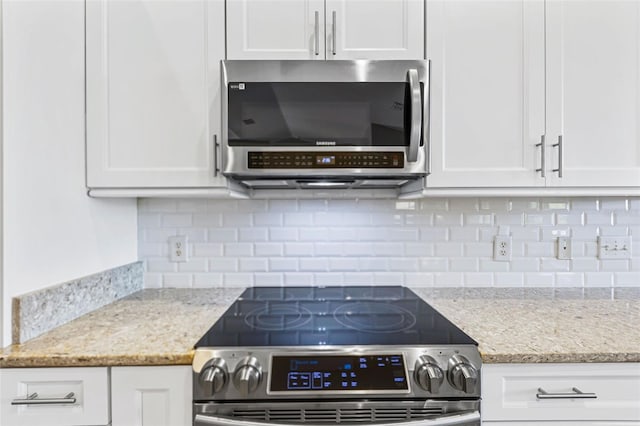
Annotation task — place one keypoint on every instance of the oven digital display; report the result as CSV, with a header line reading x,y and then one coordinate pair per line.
x,y
326,160
338,373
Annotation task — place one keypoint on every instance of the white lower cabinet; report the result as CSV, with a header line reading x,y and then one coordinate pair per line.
x,y
151,396
136,396
514,394
54,396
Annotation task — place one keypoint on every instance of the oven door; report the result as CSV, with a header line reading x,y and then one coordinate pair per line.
x,y
462,419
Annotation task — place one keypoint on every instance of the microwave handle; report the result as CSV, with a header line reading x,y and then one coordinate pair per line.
x,y
416,115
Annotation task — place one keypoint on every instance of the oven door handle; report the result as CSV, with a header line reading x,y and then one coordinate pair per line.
x,y
466,418
415,96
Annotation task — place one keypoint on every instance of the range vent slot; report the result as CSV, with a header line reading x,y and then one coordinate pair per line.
x,y
337,415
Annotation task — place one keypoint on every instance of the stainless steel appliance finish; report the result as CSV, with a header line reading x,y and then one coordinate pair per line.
x,y
327,124
375,382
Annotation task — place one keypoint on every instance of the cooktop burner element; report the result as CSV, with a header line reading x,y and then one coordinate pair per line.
x,y
312,316
374,317
278,317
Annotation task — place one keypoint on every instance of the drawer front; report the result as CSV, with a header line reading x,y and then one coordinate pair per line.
x,y
90,387
509,392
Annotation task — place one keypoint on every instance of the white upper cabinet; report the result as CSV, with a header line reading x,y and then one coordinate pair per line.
x,y
593,92
487,92
153,101
331,29
504,73
279,29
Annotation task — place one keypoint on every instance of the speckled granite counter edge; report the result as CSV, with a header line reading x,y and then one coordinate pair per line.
x,y
40,311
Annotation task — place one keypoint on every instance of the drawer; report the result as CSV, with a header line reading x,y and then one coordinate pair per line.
x,y
509,392
90,387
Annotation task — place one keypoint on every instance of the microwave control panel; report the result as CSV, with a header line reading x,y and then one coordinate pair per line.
x,y
324,160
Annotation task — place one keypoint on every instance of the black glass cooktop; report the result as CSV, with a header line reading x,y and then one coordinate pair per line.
x,y
311,316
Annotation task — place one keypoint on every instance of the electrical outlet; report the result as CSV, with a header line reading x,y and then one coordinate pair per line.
x,y
178,248
502,248
564,248
614,247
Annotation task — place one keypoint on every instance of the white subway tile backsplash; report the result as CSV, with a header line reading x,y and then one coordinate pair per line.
x,y
268,249
434,264
222,235
254,264
298,249
428,242
449,249
177,280
194,265
478,279
315,264
542,279
210,220
238,249
463,264
177,220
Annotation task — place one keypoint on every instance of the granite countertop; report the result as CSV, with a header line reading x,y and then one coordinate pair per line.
x,y
160,327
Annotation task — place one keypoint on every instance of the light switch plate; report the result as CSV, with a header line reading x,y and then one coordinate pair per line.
x,y
614,247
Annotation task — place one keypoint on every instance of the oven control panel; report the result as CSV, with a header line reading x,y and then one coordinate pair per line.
x,y
280,373
323,160
385,372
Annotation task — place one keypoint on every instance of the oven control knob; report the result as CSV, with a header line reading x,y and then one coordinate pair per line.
x,y
213,375
462,375
247,375
428,375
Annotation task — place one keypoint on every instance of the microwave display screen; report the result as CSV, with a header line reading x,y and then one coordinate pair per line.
x,y
318,114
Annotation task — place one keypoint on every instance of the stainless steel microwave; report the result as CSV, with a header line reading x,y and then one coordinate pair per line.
x,y
309,124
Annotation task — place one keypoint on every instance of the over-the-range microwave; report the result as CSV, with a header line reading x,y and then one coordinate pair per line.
x,y
325,124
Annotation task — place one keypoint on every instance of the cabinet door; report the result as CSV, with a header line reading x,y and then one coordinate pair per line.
x,y
375,29
278,29
593,51
153,83
151,396
510,392
77,396
487,92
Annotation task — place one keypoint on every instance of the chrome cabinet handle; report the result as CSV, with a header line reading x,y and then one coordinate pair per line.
x,y
542,170
216,156
460,419
576,394
416,115
316,30
333,24
33,399
560,156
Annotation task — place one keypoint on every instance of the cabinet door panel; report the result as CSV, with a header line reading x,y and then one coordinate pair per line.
x,y
153,92
509,392
487,92
278,29
151,396
594,91
375,29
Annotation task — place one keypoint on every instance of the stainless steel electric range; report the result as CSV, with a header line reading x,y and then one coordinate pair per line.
x,y
329,355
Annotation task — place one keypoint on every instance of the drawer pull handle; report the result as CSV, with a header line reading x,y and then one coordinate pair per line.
x,y
33,399
577,393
